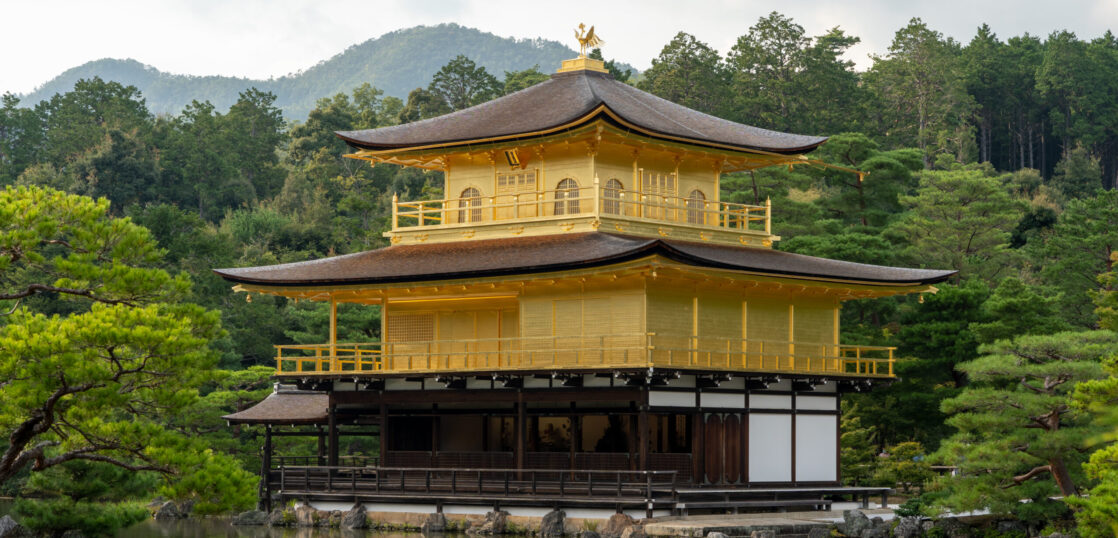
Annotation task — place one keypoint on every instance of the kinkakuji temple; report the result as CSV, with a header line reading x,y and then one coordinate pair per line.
x,y
582,323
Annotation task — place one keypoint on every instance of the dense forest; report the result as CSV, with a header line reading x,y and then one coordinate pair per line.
x,y
394,63
997,158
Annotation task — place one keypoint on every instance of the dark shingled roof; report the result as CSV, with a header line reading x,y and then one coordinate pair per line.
x,y
570,97
286,407
521,255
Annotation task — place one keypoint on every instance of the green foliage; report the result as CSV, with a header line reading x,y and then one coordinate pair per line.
x,y
858,454
688,72
1018,436
518,80
92,374
905,465
1078,175
1106,298
961,219
614,68
1014,309
462,84
1098,511
1077,249
56,516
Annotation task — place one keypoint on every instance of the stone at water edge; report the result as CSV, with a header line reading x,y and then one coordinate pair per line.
x,y
908,527
355,518
252,517
552,524
168,510
495,523
819,532
765,533
9,528
616,525
588,534
634,531
716,535
876,532
435,523
306,516
855,522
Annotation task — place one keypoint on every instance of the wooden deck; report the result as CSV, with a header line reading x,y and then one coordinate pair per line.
x,y
610,489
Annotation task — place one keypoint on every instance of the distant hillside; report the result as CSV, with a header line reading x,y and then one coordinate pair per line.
x,y
396,62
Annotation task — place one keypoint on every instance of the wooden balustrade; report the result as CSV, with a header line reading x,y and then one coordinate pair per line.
x,y
584,201
587,353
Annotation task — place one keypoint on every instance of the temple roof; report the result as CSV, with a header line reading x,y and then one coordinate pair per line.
x,y
524,255
568,100
285,406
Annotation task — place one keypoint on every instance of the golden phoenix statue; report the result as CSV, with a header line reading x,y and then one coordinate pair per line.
x,y
586,39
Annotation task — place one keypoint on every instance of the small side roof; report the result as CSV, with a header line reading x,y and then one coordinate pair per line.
x,y
285,406
571,99
525,255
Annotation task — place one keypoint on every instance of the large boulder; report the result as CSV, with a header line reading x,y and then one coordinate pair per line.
x,y
951,528
763,533
307,516
9,528
435,523
334,519
875,532
1012,527
552,524
855,523
819,532
281,518
496,521
186,507
252,517
716,535
616,525
168,510
908,527
634,531
355,518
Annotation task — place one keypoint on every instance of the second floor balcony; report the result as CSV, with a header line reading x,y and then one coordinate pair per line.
x,y
582,208
585,354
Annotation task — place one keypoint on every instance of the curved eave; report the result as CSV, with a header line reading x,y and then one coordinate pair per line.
x,y
601,111
614,250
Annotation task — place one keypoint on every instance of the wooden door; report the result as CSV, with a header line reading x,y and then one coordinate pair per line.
x,y
731,430
713,446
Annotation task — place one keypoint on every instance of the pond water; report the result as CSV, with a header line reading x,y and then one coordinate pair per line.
x,y
221,528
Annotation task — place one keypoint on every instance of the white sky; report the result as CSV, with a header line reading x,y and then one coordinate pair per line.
x,y
260,39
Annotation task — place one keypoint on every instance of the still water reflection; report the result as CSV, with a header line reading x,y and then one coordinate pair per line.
x,y
220,528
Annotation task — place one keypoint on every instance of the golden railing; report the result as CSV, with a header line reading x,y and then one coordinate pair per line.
x,y
583,201
586,353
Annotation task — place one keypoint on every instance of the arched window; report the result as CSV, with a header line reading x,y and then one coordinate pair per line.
x,y
470,198
611,197
566,197
696,203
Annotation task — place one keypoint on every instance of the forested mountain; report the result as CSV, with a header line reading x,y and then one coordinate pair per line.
x,y
396,63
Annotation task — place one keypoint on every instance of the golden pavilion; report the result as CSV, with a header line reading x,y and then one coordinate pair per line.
x,y
581,322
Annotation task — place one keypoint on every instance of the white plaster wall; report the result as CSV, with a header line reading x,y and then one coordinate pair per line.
x,y
817,403
816,438
663,398
770,401
717,399
770,448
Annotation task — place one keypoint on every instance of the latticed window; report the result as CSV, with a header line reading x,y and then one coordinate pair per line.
x,y
516,182
696,203
408,327
470,198
660,192
611,197
566,197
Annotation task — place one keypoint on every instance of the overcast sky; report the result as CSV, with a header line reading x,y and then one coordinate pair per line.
x,y
261,39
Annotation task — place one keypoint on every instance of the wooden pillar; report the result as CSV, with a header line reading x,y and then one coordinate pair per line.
x,y
332,430
643,437
321,445
383,449
576,436
698,447
521,433
266,470
334,335
435,435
